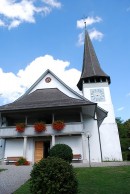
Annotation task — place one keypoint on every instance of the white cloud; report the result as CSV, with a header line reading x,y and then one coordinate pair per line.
x,y
88,21
80,39
13,12
9,93
53,3
24,79
121,108
94,35
14,23
2,23
23,10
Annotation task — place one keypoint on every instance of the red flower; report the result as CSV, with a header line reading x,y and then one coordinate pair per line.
x,y
26,163
58,125
16,164
20,127
39,126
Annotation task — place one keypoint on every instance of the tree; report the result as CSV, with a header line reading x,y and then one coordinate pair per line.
x,y
124,133
127,126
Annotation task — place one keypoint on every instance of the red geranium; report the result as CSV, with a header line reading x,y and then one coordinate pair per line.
x,y
58,125
39,126
20,127
26,163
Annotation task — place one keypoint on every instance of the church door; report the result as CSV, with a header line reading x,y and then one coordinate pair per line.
x,y
39,151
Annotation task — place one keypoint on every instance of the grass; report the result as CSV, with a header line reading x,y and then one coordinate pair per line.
x,y
101,180
108,180
24,189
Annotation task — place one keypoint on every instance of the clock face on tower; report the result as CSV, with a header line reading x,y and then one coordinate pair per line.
x,y
97,95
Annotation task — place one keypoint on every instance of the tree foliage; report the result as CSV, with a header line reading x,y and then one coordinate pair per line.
x,y
124,133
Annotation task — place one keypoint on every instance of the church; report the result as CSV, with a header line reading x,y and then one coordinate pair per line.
x,y
84,122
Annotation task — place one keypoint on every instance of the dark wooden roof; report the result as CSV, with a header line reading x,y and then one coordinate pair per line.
x,y
44,98
91,69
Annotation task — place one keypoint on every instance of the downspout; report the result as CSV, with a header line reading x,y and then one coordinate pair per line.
x,y
99,136
100,143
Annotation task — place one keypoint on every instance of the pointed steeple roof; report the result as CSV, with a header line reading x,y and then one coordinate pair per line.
x,y
91,70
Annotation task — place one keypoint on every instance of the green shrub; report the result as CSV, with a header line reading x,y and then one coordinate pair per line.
x,y
62,151
53,176
22,161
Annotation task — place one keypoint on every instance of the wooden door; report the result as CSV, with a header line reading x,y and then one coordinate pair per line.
x,y
39,150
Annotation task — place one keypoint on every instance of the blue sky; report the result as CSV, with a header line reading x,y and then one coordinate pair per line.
x,y
39,34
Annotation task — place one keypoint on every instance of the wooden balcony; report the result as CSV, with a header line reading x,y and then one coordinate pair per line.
x,y
70,128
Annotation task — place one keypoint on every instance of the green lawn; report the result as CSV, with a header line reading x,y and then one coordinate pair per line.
x,y
101,180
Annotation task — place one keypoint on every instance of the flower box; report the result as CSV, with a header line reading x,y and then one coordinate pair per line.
x,y
58,125
20,127
22,161
39,126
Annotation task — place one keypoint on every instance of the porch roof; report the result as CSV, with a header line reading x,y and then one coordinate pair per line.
x,y
44,98
53,98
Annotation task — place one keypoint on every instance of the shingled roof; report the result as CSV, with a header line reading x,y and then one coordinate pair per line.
x,y
44,98
91,68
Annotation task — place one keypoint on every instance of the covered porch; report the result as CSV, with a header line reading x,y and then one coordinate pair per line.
x,y
36,148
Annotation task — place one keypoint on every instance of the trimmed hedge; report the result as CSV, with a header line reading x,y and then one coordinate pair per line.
x,y
62,151
53,176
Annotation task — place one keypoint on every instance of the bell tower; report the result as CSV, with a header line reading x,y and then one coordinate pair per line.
x,y
94,84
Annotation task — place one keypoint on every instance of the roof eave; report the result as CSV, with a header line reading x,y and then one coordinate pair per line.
x,y
39,108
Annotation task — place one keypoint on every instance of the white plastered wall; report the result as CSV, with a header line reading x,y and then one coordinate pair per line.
x,y
90,125
110,142
75,142
12,144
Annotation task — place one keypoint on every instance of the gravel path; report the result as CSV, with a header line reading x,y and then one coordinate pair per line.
x,y
101,164
12,178
15,176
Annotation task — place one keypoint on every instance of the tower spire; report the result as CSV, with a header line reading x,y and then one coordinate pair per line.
x,y
91,70
84,20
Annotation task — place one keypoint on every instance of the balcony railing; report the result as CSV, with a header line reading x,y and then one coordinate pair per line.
x,y
70,128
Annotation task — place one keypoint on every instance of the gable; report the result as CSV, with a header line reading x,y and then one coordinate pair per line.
x,y
50,80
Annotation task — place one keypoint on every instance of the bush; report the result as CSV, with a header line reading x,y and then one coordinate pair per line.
x,y
62,151
22,161
53,176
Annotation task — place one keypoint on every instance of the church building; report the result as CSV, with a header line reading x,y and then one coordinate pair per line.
x,y
84,122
